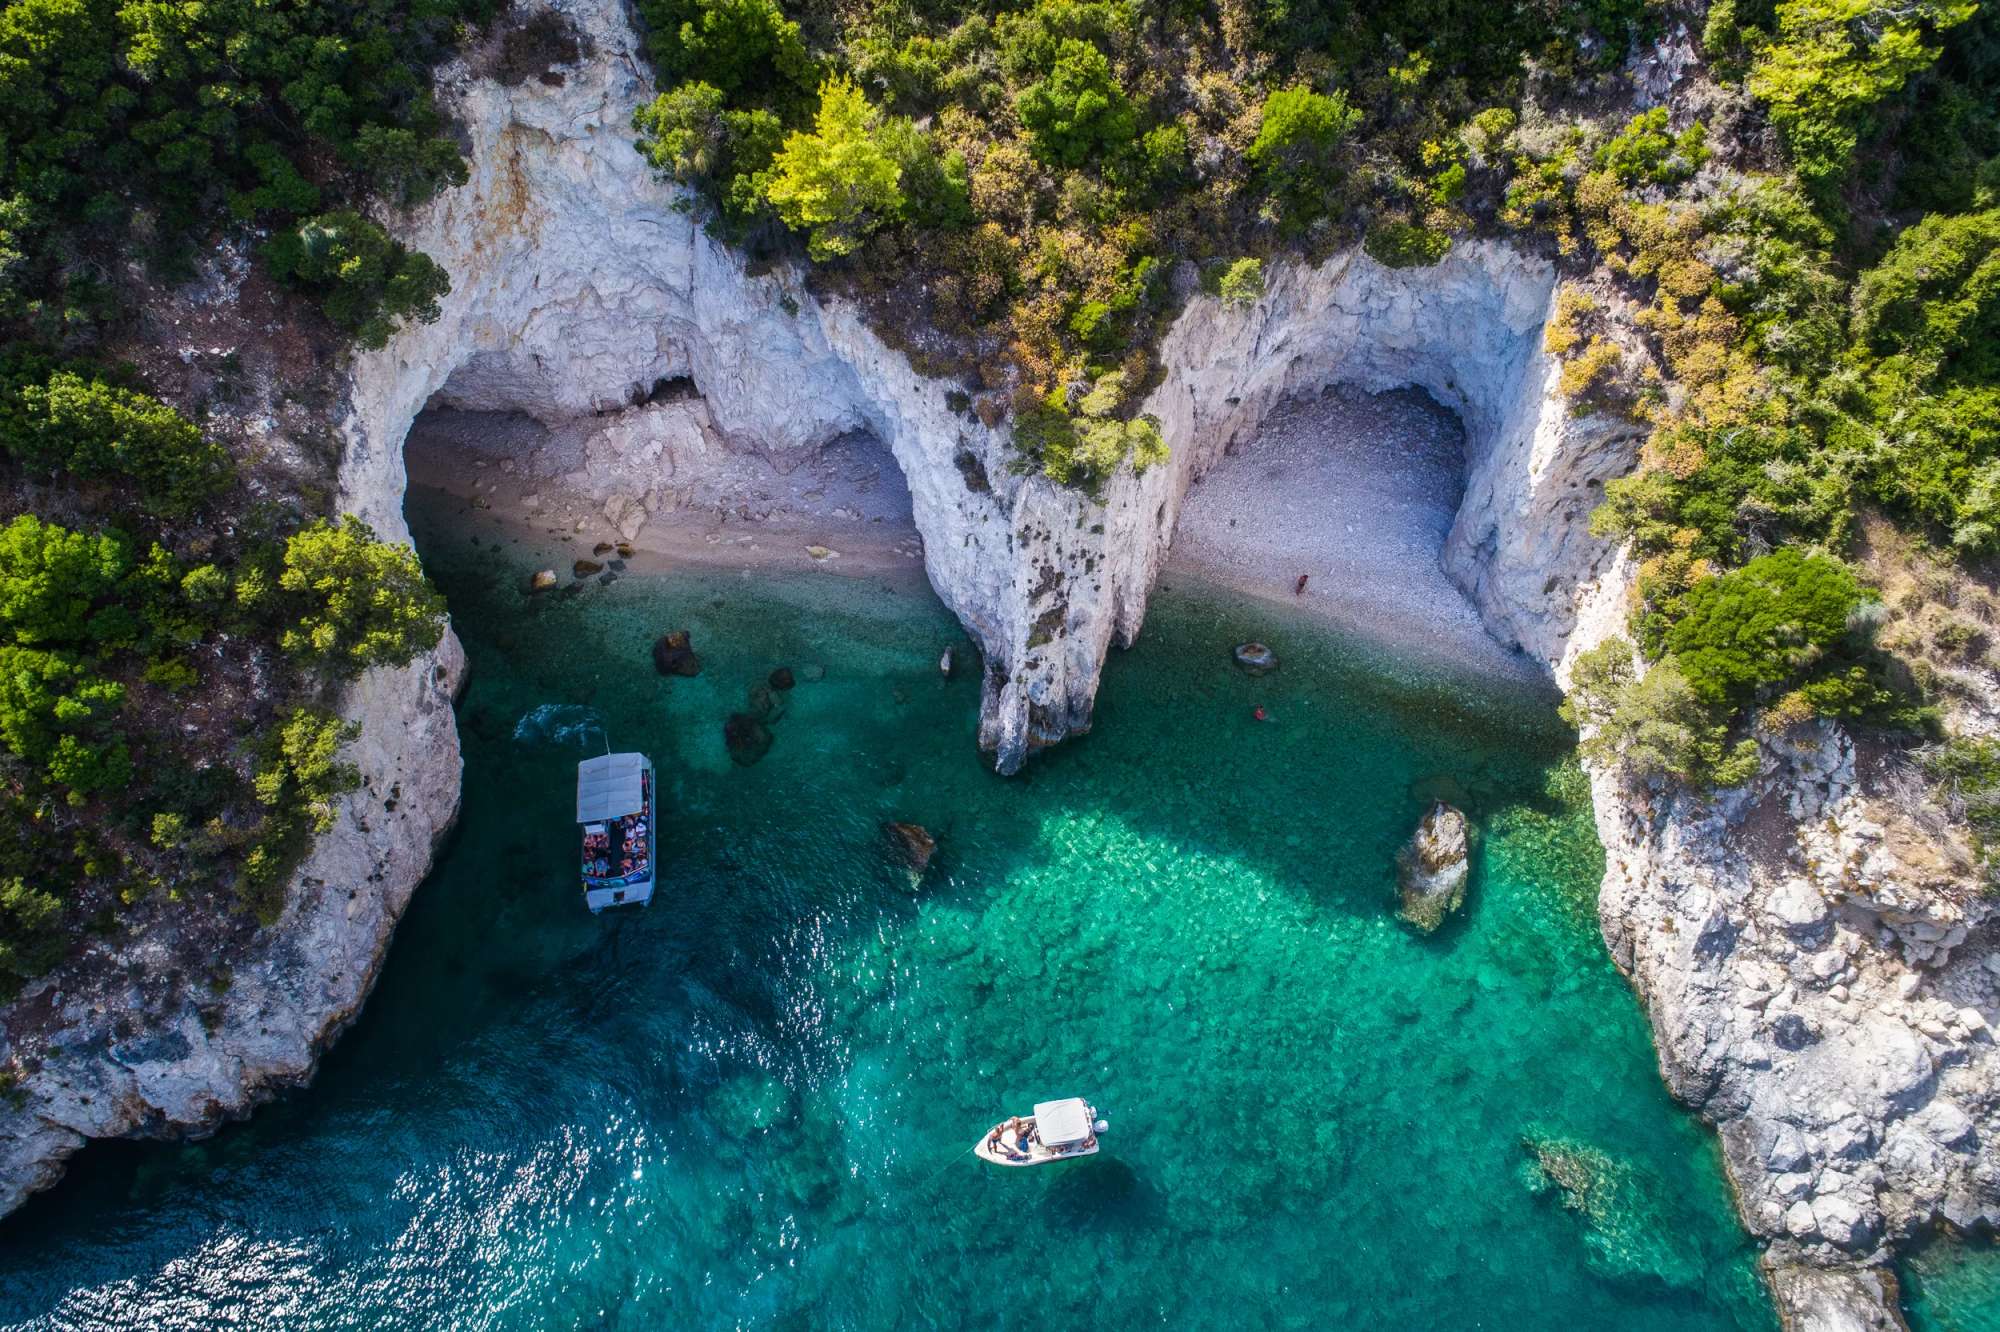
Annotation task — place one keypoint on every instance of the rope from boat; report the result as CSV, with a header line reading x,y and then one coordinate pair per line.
x,y
947,1165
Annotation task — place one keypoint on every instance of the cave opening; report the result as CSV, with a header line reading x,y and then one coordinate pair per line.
x,y
651,467
1341,500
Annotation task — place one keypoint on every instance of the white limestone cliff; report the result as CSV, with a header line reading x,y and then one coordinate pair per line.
x,y
149,1039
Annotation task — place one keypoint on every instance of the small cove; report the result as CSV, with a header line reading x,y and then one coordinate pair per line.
x,y
747,1106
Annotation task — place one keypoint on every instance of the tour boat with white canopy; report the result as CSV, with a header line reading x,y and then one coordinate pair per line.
x,y
1057,1131
614,803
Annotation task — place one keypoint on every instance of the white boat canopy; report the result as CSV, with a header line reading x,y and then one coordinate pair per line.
x,y
608,787
1062,1123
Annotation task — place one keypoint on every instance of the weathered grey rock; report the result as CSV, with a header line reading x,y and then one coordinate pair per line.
x,y
1255,658
1811,1297
1432,869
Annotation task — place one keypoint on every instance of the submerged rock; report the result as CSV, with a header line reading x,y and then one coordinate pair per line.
x,y
912,844
585,568
1631,1227
542,581
765,703
1433,868
747,738
602,548
812,672
948,664
674,655
1256,658
781,678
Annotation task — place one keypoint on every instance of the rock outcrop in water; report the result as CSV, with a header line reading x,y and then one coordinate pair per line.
x,y
1817,988
1431,871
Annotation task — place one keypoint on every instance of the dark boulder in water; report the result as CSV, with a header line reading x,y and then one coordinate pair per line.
x,y
1256,658
765,704
782,678
912,845
748,738
674,655
585,568
602,548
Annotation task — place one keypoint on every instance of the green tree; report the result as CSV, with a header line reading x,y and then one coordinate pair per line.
x,y
80,423
1831,61
298,779
1242,283
1763,624
1936,296
1654,726
691,136
352,602
367,282
58,588
1078,109
746,48
839,182
1296,153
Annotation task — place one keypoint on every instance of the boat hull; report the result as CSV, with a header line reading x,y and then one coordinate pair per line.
x,y
1038,1155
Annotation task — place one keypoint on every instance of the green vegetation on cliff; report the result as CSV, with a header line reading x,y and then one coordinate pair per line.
x,y
174,611
1024,193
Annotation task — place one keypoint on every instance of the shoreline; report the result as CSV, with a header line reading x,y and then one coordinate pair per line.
x,y
1368,485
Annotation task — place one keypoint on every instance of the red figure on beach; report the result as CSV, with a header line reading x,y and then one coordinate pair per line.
x,y
1259,713
1298,588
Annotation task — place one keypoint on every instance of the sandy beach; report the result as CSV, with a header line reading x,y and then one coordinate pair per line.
x,y
735,511
1356,493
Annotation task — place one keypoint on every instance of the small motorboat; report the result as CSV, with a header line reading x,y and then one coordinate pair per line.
x,y
1057,1131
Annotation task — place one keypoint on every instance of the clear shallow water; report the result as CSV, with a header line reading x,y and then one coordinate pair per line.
x,y
748,1105
1953,1288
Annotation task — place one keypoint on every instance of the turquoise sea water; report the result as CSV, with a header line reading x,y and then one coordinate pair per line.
x,y
749,1105
1953,1288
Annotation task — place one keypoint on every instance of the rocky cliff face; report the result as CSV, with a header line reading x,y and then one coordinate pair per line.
x,y
158,1038
1813,993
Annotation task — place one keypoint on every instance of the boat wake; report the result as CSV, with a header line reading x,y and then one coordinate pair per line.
x,y
559,724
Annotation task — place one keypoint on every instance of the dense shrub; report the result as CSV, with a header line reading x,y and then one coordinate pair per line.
x,y
349,602
1297,151
367,282
1076,109
76,421
1762,625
